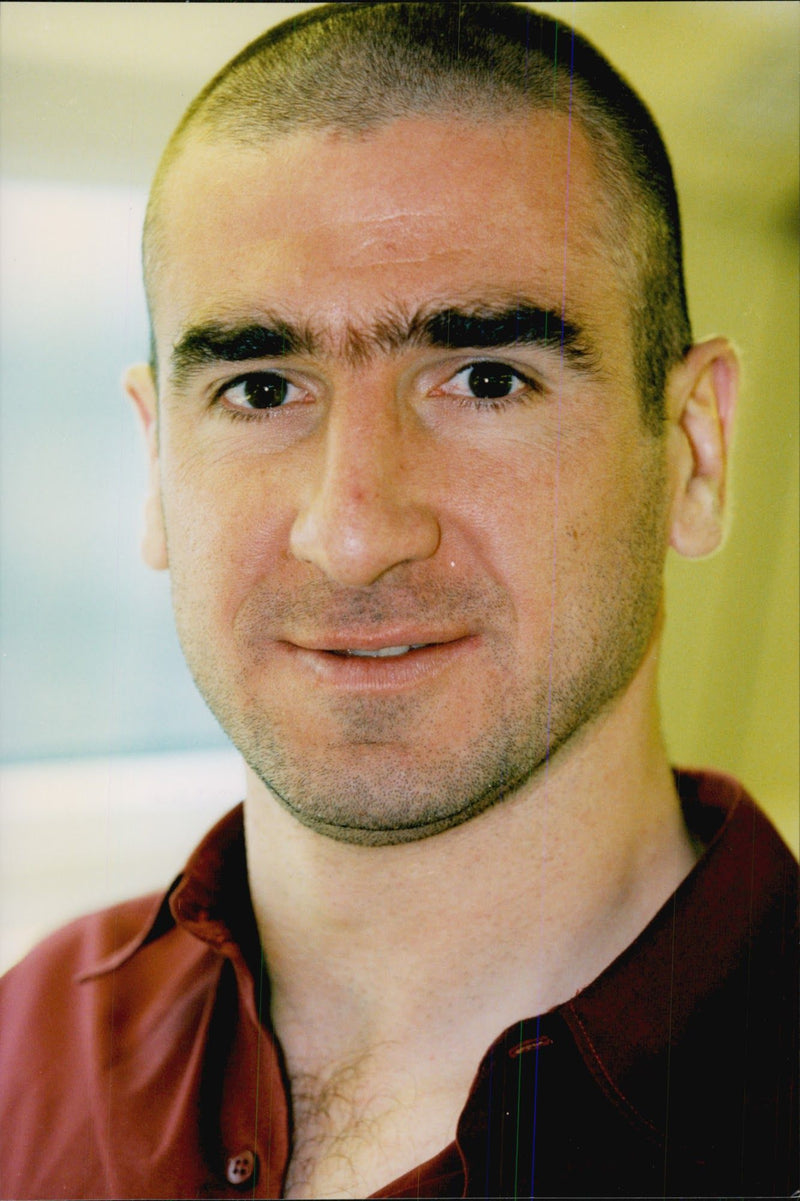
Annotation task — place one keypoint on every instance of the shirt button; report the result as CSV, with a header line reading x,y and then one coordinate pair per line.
x,y
241,1168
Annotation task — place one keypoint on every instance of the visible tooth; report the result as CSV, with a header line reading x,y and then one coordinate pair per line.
x,y
385,652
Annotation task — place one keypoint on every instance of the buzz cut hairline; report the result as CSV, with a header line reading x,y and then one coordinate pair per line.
x,y
353,67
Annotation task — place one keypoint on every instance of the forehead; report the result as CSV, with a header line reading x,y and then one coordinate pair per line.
x,y
334,226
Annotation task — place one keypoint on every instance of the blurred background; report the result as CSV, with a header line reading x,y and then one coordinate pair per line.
x,y
112,767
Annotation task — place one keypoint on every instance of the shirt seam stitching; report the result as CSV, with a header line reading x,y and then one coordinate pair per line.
x,y
616,1092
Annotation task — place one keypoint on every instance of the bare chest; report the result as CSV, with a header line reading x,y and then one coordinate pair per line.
x,y
353,1135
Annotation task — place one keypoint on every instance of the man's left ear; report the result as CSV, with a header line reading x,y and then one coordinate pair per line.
x,y
701,400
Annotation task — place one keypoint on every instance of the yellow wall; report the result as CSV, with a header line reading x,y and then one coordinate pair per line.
x,y
721,79
730,670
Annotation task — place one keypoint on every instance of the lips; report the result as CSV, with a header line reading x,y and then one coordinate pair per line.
x,y
373,663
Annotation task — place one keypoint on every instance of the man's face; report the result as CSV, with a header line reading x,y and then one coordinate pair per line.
x,y
362,449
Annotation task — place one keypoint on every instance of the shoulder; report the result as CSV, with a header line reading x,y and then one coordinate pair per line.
x,y
43,1003
695,1024
92,1002
732,925
742,847
46,983
132,948
81,944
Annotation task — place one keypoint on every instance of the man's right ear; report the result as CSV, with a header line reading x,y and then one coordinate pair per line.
x,y
140,386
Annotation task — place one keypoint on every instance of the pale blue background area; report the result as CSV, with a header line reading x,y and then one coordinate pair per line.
x,y
90,660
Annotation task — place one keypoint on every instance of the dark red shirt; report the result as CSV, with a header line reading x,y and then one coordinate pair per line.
x,y
137,1060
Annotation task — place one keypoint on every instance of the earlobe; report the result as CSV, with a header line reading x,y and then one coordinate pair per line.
x,y
141,389
701,401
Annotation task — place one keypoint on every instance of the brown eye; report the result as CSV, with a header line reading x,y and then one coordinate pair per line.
x,y
258,390
490,381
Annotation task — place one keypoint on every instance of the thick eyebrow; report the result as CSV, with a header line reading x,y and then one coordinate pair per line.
x,y
483,326
217,342
517,325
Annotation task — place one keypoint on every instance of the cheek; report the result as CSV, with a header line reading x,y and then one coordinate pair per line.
x,y
564,531
611,533
508,515
227,525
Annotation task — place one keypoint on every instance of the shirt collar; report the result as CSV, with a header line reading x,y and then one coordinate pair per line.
x,y
631,1010
641,1003
210,899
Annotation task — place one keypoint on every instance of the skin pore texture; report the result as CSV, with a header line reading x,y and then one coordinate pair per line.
x,y
445,841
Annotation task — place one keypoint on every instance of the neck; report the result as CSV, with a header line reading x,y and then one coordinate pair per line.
x,y
493,921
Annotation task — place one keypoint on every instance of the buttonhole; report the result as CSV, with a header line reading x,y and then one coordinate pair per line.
x,y
530,1044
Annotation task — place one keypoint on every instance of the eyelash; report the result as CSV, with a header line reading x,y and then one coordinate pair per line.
x,y
479,404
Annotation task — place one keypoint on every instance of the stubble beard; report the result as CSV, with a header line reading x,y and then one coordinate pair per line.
x,y
373,788
385,778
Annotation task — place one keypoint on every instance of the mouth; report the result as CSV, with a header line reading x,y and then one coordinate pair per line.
x,y
387,664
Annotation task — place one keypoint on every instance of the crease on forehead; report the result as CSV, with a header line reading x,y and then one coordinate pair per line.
x,y
584,224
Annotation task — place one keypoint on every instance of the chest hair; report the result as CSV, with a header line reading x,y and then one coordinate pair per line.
x,y
356,1128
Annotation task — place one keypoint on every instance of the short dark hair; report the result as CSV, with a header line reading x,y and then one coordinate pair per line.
x,y
353,66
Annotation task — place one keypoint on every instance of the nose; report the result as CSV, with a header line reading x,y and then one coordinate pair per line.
x,y
365,511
